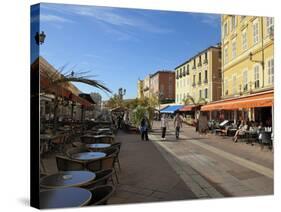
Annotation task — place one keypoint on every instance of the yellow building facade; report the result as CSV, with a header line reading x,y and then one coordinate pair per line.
x,y
200,76
247,55
140,94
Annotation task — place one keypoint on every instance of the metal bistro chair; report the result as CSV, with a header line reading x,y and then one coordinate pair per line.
x,y
265,139
118,146
67,164
78,144
57,144
101,194
102,164
75,150
102,178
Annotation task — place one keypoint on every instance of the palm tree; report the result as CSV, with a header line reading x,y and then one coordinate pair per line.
x,y
57,80
189,99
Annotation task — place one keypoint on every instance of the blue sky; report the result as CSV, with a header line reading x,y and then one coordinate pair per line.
x,y
119,45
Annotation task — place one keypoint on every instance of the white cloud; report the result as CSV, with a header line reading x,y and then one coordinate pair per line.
x,y
54,18
212,20
110,16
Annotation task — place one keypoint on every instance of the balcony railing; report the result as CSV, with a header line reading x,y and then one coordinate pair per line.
x,y
199,82
199,64
205,61
205,81
193,84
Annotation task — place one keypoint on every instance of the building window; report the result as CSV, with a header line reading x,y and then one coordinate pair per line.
x,y
194,65
199,79
206,76
200,94
270,71
233,49
193,84
245,80
256,32
233,22
234,84
225,31
219,73
269,26
257,76
225,54
199,63
226,87
244,40
206,58
206,93
187,69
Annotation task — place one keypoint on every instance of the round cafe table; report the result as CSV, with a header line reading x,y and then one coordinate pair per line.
x,y
98,146
67,179
88,155
64,197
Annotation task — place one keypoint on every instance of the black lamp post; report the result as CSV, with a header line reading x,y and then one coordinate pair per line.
x,y
40,38
121,93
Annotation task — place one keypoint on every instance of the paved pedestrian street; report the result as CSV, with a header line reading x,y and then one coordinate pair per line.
x,y
213,166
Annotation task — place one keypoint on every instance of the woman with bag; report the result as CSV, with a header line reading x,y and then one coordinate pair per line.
x,y
144,129
164,126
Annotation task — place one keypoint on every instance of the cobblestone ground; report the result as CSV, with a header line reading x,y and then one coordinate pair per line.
x,y
213,166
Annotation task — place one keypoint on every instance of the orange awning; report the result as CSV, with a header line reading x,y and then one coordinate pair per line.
x,y
187,108
264,99
45,84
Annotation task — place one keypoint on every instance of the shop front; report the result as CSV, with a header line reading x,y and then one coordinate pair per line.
x,y
257,107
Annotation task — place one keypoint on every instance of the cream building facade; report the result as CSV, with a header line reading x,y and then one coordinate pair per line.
x,y
146,86
247,52
200,76
140,94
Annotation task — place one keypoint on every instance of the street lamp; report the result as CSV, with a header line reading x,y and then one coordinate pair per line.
x,y
121,93
260,62
160,95
40,38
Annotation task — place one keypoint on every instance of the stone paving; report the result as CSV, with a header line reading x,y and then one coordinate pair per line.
x,y
193,167
145,174
221,167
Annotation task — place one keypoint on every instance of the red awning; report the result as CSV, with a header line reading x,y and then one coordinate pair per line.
x,y
46,85
187,108
264,99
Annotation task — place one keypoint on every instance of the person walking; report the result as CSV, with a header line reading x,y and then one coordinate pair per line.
x,y
144,129
164,126
177,124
